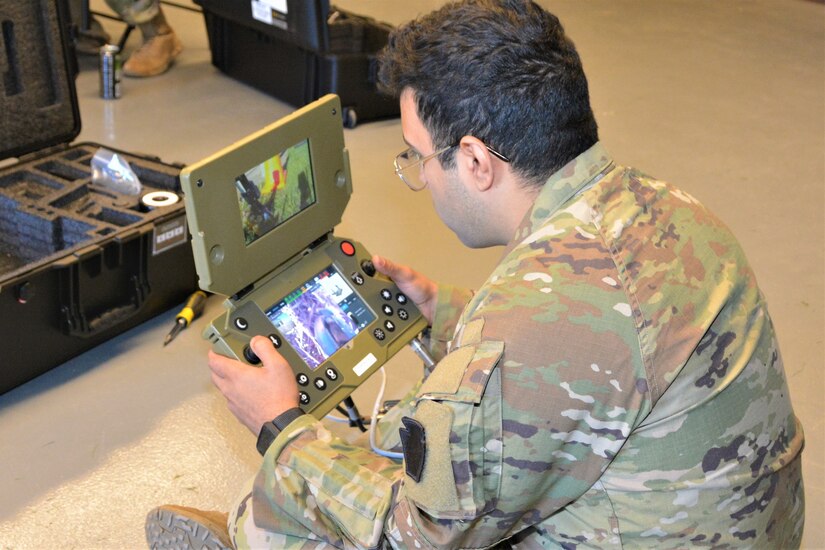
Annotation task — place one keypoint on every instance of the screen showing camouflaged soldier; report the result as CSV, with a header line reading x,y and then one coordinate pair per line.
x,y
275,190
615,382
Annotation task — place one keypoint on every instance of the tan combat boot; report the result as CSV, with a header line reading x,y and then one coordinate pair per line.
x,y
154,56
179,527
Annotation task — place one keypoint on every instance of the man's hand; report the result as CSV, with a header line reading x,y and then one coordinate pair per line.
x,y
418,288
255,395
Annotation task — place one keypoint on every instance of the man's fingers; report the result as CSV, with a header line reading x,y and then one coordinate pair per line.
x,y
255,394
219,370
383,265
219,364
266,352
392,270
218,382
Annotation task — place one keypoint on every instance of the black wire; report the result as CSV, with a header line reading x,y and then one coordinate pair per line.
x,y
354,415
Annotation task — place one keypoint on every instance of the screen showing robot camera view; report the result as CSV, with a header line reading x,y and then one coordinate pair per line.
x,y
275,190
320,316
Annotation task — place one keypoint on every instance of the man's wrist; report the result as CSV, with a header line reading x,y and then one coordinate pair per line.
x,y
270,430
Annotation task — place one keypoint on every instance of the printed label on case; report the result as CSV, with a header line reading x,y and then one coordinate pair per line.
x,y
277,5
169,235
271,12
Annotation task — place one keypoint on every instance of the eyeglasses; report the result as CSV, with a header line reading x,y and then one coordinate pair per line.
x,y
410,158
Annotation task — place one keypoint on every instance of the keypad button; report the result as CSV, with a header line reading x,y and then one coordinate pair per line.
x,y
303,397
387,309
386,294
401,298
302,379
275,339
241,323
402,314
320,383
331,373
389,325
357,278
379,334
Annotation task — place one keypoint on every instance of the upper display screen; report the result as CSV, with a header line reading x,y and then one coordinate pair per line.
x,y
275,190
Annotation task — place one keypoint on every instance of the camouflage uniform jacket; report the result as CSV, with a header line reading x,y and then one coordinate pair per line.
x,y
615,382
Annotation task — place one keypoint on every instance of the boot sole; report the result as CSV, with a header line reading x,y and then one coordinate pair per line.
x,y
167,530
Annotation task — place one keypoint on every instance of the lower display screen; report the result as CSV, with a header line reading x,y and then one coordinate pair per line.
x,y
320,316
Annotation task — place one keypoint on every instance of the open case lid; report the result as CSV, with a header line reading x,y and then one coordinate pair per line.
x,y
38,101
261,201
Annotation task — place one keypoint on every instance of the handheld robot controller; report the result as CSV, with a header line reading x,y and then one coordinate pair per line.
x,y
262,213
334,328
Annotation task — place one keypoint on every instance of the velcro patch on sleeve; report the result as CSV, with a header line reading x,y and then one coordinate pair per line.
x,y
447,375
414,442
471,333
435,489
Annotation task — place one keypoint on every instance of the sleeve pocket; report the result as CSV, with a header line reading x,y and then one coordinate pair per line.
x,y
459,407
463,374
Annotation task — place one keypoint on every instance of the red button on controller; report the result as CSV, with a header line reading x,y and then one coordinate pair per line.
x,y
347,248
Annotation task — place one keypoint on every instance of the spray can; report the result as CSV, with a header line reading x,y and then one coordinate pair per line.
x,y
110,70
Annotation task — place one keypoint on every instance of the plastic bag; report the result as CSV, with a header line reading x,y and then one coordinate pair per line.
x,y
111,171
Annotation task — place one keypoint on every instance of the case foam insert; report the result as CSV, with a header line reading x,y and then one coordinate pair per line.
x,y
49,207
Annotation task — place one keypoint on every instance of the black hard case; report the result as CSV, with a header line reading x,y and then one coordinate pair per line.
x,y
312,51
78,263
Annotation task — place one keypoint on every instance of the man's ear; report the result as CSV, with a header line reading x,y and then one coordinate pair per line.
x,y
477,162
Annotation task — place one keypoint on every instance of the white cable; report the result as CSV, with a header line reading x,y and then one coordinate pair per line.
x,y
375,407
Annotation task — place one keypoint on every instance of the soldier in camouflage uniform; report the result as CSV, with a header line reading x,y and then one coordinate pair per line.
x,y
615,382
160,43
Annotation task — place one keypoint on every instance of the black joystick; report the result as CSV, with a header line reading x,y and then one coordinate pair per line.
x,y
250,356
368,268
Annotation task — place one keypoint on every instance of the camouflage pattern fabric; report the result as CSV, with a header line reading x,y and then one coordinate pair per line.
x,y
616,382
135,12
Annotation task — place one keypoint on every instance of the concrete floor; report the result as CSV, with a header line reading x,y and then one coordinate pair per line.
x,y
725,99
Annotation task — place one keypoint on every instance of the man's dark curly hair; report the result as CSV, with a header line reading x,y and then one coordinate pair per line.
x,y
500,70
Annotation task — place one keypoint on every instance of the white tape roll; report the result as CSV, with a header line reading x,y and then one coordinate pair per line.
x,y
159,199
